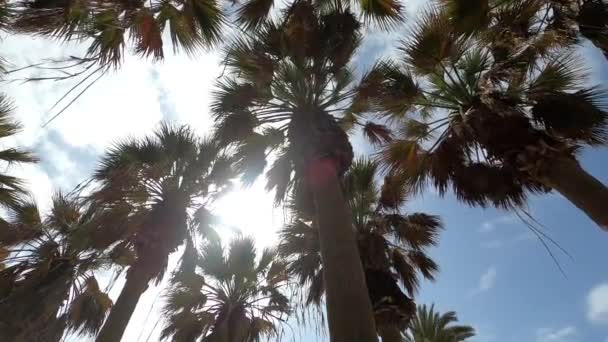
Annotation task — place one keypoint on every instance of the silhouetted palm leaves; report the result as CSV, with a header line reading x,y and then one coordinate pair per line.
x,y
48,285
238,298
11,188
431,326
163,183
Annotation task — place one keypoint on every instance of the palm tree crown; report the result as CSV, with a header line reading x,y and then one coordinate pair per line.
x,y
509,23
47,281
163,184
237,298
492,130
431,326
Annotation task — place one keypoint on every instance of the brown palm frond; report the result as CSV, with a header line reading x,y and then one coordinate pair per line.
x,y
468,16
147,34
384,13
377,134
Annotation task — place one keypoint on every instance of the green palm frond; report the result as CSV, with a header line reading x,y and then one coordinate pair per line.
x,y
429,325
561,74
431,42
108,43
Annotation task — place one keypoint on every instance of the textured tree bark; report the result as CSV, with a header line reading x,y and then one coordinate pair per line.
x,y
118,319
391,334
349,310
582,189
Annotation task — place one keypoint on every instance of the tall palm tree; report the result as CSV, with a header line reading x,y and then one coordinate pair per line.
x,y
284,92
163,183
238,297
11,188
392,247
491,130
431,326
47,281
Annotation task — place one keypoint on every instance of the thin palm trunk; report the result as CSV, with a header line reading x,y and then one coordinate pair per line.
x,y
391,334
114,327
580,188
349,309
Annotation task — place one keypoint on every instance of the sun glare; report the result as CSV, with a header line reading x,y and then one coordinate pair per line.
x,y
251,212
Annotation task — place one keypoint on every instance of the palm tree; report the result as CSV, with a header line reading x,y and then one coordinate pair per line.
x,y
430,326
110,25
163,183
237,299
47,281
491,130
283,94
559,20
392,246
11,188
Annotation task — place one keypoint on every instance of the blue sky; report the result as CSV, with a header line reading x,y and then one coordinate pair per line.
x,y
494,273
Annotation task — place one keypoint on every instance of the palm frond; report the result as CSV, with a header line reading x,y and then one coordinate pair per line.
x,y
89,309
468,16
253,13
146,34
384,13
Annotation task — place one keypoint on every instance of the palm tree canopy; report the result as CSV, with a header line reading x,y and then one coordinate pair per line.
x,y
510,23
487,128
286,93
432,326
163,184
237,297
47,281
192,25
392,245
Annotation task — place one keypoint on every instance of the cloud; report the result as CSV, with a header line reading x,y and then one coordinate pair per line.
x,y
486,282
597,304
565,334
491,225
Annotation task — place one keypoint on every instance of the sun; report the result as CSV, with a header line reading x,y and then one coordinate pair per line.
x,y
251,212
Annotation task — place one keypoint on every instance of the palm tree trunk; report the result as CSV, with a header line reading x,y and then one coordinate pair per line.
x,y
349,310
391,334
114,327
582,189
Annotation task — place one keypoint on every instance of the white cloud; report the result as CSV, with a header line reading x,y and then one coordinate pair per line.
x,y
487,281
565,334
491,225
597,304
